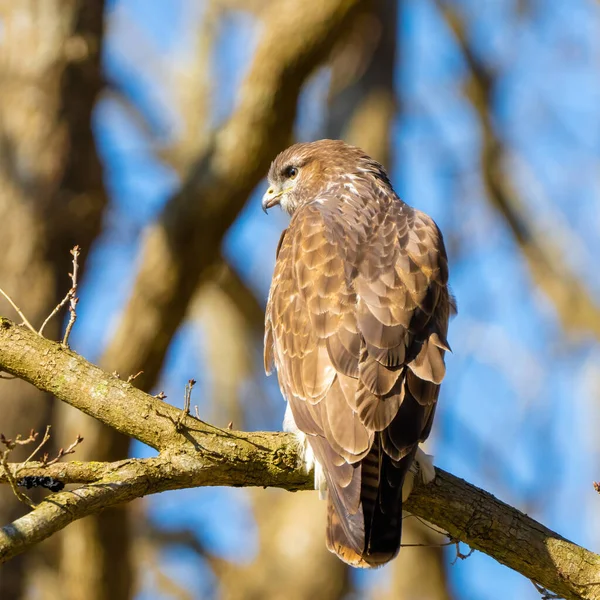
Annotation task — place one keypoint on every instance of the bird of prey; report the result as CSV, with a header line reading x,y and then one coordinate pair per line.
x,y
356,326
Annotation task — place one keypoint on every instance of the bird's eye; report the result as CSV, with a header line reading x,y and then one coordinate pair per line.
x,y
291,172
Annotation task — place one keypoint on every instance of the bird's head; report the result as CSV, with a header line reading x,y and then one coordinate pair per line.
x,y
304,171
292,174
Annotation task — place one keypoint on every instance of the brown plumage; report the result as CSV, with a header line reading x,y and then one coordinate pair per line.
x,y
356,326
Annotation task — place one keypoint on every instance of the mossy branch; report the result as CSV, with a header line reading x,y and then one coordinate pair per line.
x,y
199,454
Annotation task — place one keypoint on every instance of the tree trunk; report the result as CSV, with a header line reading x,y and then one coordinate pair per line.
x,y
51,193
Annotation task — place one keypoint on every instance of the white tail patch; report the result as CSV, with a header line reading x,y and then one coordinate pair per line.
x,y
307,455
423,463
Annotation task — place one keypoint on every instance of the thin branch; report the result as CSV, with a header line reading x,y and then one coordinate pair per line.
x,y
466,512
12,482
72,296
187,399
18,310
545,594
460,554
40,446
68,472
62,452
449,543
55,311
10,444
134,377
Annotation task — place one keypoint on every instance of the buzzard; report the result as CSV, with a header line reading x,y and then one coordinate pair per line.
x,y
356,326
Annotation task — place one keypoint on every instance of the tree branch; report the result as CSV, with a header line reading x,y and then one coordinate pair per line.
x,y
468,513
201,455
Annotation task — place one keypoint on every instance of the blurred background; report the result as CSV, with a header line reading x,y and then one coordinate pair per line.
x,y
142,131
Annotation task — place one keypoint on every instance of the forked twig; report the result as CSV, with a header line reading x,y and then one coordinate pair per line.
x,y
459,554
62,452
32,481
71,295
18,441
10,445
55,311
12,482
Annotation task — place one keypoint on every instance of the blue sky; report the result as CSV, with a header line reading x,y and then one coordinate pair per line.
x,y
517,415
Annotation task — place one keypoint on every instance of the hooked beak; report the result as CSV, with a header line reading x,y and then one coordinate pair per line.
x,y
271,198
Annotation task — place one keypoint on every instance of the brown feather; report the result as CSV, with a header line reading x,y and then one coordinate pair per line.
x,y
377,412
377,378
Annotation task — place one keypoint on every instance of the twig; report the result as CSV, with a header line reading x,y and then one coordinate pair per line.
x,y
13,484
133,377
67,297
25,321
160,396
18,441
197,412
186,404
10,445
44,440
597,486
62,452
449,543
426,524
545,593
459,554
72,297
